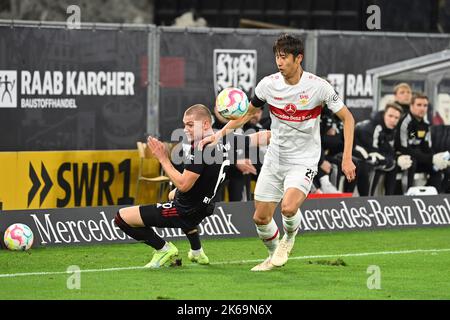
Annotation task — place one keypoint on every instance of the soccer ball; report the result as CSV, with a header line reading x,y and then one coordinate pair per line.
x,y
232,103
18,236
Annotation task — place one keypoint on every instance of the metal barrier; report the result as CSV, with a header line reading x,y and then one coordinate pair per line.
x,y
168,68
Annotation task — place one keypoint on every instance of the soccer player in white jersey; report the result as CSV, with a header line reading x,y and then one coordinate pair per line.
x,y
295,98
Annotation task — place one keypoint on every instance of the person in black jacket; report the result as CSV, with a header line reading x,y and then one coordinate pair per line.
x,y
413,143
374,143
332,132
403,94
332,139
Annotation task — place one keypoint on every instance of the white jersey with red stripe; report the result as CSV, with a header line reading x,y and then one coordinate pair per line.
x,y
295,112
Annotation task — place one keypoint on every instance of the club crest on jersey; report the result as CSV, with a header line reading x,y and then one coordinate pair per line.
x,y
290,109
304,98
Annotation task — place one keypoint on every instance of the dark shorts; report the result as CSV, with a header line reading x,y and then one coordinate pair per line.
x,y
166,215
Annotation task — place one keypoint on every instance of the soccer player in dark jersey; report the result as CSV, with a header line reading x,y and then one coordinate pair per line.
x,y
196,187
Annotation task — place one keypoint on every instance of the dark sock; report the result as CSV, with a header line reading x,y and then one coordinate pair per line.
x,y
193,238
143,234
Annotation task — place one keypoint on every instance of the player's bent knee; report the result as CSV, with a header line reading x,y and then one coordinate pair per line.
x,y
119,221
131,216
288,210
259,220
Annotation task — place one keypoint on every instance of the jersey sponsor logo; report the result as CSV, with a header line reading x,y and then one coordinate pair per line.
x,y
290,109
235,68
290,113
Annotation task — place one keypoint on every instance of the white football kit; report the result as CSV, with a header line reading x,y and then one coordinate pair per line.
x,y
294,150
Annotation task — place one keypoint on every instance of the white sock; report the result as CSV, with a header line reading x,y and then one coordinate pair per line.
x,y
165,248
269,235
197,252
291,225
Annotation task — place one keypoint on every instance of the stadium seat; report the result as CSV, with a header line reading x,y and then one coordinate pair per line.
x,y
151,172
420,180
421,191
336,177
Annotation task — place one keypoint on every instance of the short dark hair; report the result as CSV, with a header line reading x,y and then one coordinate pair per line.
x,y
287,43
200,111
395,106
418,95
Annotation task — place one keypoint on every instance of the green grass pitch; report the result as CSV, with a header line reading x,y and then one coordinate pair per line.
x,y
413,264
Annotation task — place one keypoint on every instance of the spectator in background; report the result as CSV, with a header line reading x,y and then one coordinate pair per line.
x,y
332,133
413,143
254,122
254,125
321,181
374,144
403,95
332,138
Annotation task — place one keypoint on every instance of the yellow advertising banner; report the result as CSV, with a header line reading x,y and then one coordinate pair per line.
x,y
8,179
56,179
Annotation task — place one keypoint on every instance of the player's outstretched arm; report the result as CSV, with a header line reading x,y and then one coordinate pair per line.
x,y
228,128
348,167
182,181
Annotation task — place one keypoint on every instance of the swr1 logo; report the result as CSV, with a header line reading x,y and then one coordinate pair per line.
x,y
8,89
84,180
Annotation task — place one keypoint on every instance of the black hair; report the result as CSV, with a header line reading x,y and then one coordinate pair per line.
x,y
287,44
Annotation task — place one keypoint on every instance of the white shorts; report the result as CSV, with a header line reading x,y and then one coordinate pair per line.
x,y
273,181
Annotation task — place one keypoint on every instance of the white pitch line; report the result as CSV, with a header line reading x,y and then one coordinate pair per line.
x,y
362,254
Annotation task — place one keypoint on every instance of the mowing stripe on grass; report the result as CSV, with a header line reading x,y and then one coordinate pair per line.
x,y
362,254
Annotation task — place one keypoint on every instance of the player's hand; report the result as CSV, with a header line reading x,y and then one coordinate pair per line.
x,y
212,140
157,148
349,169
245,166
